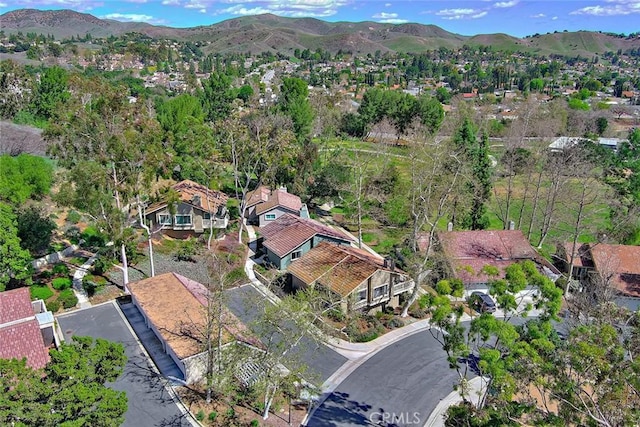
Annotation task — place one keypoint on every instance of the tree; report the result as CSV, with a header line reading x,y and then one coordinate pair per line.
x,y
50,92
24,177
294,102
70,390
216,96
34,229
14,260
107,144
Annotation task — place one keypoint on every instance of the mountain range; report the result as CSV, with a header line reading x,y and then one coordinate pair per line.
x,y
268,32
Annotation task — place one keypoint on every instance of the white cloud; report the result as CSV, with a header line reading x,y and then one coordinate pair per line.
x,y
539,15
384,15
131,17
136,1
393,21
554,18
203,11
195,4
613,8
503,4
171,2
3,4
387,5
290,8
461,13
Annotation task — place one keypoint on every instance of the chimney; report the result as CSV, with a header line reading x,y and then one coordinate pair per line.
x,y
196,201
512,225
283,188
450,226
304,211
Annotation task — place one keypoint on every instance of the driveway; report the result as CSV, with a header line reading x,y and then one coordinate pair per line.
x,y
246,303
404,381
149,402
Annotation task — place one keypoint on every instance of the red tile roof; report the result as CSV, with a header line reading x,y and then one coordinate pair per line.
x,y
174,304
337,267
20,334
622,262
288,232
469,251
280,198
24,339
15,304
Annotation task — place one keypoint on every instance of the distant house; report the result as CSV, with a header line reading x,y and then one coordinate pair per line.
x,y
26,328
174,308
563,143
289,237
265,205
358,279
617,265
198,209
467,252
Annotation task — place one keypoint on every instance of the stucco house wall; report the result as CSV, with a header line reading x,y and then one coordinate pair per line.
x,y
273,214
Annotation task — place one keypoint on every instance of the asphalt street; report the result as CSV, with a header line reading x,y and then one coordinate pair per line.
x,y
399,386
149,402
246,303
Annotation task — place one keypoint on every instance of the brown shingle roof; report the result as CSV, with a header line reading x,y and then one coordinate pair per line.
x,y
176,306
15,304
622,262
288,232
280,198
469,251
336,267
259,195
190,191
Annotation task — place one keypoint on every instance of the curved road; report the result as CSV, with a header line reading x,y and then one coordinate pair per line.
x,y
405,381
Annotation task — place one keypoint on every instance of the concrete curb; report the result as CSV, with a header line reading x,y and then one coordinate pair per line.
x,y
436,419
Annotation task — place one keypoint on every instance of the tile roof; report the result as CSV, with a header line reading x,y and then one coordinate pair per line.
x,y
24,339
190,191
176,307
259,195
15,304
337,267
581,255
288,232
469,251
280,198
620,261
20,334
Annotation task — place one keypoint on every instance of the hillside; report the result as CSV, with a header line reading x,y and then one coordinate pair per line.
x,y
274,33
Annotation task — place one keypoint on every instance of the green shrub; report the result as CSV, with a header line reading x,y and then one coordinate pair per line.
x,y
395,323
93,238
73,217
237,275
336,315
73,235
53,306
60,269
200,415
230,413
61,283
39,291
187,250
254,423
67,298
45,274
212,416
89,285
102,264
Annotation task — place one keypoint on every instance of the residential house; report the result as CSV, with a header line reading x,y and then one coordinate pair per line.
x,y
174,308
467,252
26,328
198,209
566,142
265,205
358,279
289,237
615,265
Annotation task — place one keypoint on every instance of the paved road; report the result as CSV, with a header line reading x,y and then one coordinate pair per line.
x,y
405,381
246,302
149,402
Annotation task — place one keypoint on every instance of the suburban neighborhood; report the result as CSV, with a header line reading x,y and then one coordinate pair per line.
x,y
277,221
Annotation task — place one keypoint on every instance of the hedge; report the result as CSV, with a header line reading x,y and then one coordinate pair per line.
x,y
61,283
67,298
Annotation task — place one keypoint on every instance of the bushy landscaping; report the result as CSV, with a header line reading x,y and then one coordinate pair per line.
x,y
40,291
61,283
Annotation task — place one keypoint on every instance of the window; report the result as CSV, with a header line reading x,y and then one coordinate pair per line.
x,y
380,291
206,215
296,255
183,219
164,219
270,217
362,295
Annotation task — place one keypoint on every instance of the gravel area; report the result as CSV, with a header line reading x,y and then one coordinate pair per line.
x,y
164,264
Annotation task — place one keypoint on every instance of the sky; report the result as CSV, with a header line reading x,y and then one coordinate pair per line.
x,y
515,17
